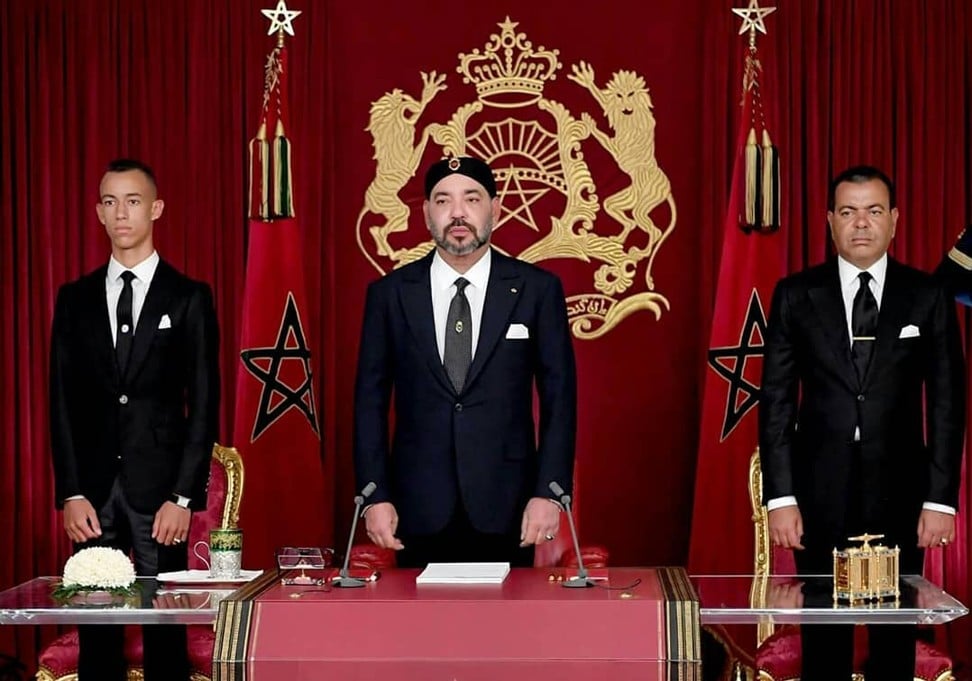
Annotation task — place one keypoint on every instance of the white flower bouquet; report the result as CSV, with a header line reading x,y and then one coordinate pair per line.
x,y
97,569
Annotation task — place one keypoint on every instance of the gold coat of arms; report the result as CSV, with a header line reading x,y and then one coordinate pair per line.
x,y
539,151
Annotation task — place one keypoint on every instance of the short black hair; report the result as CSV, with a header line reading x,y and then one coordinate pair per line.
x,y
859,175
122,165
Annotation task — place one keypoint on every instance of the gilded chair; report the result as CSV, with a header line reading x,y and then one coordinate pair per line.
x,y
59,660
778,651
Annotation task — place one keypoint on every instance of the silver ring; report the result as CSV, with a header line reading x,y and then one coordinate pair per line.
x,y
176,541
548,537
944,541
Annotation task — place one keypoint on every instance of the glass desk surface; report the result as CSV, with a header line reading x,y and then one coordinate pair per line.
x,y
153,603
795,599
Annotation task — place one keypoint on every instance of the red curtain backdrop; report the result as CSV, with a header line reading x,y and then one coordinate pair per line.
x,y
175,83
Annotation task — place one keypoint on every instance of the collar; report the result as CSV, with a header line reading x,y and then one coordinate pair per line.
x,y
144,271
443,275
848,272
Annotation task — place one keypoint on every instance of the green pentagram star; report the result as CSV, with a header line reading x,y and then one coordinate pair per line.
x,y
281,18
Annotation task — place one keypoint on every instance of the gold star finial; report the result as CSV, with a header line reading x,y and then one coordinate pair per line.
x,y
752,19
281,18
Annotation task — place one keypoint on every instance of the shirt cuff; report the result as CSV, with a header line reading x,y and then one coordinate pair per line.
x,y
780,502
75,497
941,508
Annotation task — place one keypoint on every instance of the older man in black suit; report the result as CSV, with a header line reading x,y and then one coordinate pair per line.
x,y
462,337
862,413
134,411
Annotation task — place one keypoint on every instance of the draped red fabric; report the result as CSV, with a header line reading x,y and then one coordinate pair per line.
x,y
276,419
751,263
881,81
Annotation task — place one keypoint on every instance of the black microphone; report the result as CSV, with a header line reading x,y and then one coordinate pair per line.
x,y
581,580
344,580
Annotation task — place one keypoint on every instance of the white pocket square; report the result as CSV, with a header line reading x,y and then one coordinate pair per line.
x,y
518,332
165,322
910,331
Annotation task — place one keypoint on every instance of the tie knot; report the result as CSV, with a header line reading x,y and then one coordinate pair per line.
x,y
461,284
127,276
865,278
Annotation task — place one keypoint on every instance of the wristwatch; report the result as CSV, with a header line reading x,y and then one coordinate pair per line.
x,y
180,501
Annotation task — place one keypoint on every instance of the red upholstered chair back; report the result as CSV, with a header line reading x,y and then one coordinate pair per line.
x,y
223,500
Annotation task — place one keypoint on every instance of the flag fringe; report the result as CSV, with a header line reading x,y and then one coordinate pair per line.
x,y
282,176
259,173
751,201
771,185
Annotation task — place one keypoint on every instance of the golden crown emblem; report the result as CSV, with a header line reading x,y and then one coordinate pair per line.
x,y
508,72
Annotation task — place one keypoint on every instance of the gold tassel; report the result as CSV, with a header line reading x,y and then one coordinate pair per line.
x,y
751,207
259,173
282,178
770,185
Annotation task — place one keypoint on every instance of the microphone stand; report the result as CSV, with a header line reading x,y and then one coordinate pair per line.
x,y
344,580
581,581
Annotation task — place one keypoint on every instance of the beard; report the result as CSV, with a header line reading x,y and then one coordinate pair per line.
x,y
476,239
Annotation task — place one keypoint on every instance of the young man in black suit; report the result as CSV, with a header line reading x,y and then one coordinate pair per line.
x,y
134,411
862,414
462,337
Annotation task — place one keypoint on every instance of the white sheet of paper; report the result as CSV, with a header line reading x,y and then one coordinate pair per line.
x,y
463,573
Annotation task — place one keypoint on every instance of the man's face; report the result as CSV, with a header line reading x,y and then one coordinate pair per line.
x,y
127,209
460,214
862,222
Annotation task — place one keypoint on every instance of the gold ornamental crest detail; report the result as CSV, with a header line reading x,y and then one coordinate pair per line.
x,y
539,151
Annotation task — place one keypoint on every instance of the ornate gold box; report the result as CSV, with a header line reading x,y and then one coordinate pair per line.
x,y
866,573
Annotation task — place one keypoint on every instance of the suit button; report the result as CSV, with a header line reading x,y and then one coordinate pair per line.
x,y
118,457
860,398
458,406
123,399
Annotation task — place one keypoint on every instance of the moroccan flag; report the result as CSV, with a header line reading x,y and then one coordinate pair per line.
x,y
276,424
752,261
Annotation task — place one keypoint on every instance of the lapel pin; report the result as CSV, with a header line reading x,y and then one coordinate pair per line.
x,y
513,289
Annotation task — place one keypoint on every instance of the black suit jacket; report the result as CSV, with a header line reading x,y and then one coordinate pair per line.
x,y
481,447
910,405
154,426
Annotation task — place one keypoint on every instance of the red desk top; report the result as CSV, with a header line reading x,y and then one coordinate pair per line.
x,y
638,615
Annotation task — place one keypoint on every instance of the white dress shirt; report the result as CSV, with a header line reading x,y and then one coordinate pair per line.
x,y
849,284
444,289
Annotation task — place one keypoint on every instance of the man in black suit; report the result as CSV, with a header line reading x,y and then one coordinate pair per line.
x,y
134,411
861,414
462,337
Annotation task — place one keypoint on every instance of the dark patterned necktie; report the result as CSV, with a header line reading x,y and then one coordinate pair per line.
x,y
864,324
124,322
458,337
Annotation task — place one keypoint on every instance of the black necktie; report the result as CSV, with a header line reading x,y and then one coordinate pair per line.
x,y
864,324
124,322
458,337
